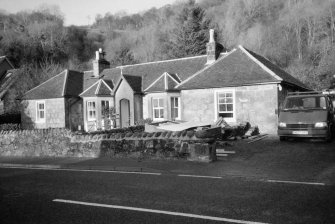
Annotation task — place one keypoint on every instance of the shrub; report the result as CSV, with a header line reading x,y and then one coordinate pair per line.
x,y
10,127
10,118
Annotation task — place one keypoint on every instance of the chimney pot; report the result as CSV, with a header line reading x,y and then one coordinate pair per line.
x,y
211,36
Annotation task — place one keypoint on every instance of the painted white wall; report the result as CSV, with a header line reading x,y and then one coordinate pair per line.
x,y
124,91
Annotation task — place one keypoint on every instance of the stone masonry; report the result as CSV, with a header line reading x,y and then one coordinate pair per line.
x,y
64,143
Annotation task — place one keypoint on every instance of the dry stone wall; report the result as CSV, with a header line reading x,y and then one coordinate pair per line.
x,y
64,143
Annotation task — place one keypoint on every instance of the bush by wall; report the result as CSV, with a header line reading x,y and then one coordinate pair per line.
x,y
10,127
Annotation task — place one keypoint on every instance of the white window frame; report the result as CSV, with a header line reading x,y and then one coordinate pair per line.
x,y
89,108
38,110
174,106
159,108
216,104
109,107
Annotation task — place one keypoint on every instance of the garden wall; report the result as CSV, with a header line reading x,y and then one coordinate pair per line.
x,y
64,143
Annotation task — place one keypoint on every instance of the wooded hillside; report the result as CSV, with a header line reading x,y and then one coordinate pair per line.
x,y
298,35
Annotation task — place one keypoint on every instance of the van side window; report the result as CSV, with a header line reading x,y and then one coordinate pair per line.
x,y
323,102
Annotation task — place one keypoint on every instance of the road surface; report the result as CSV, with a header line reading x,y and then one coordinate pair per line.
x,y
65,196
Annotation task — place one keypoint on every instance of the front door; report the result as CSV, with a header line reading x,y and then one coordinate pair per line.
x,y
124,113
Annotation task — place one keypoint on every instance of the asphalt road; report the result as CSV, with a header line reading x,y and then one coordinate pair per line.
x,y
27,196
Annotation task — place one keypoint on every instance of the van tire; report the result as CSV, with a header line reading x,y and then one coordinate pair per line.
x,y
329,137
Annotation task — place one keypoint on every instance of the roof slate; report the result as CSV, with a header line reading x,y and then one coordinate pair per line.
x,y
89,79
90,91
73,86
277,70
63,84
237,69
183,67
135,82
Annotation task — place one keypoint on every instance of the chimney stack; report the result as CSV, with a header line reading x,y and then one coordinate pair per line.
x,y
213,49
100,63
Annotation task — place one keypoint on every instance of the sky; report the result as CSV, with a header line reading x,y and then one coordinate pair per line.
x,y
83,12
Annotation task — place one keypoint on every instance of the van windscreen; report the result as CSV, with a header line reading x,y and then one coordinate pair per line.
x,y
305,103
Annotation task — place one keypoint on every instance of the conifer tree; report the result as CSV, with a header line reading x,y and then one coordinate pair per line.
x,y
191,33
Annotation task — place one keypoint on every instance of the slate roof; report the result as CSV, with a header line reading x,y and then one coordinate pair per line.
x,y
135,82
182,68
89,79
277,70
239,67
66,83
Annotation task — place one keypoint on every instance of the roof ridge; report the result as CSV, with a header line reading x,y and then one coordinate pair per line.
x,y
258,62
162,61
65,81
98,87
205,68
6,58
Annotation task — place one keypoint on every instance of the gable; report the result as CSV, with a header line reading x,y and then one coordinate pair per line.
x,y
99,88
164,83
103,89
123,88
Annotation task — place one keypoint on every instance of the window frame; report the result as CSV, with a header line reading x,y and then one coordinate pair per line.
x,y
89,108
38,110
101,108
172,104
159,108
216,100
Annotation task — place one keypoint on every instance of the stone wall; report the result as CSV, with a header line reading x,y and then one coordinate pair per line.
x,y
64,143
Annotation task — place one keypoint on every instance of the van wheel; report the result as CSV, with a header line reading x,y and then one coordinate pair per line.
x,y
329,137
282,138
